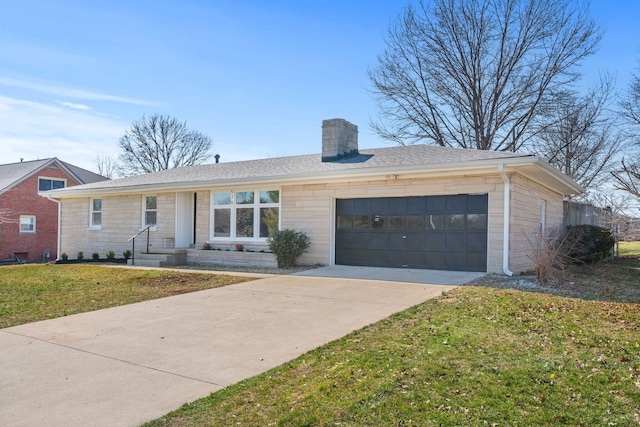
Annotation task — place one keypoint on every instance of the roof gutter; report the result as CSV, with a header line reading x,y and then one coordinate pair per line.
x,y
59,222
404,171
506,218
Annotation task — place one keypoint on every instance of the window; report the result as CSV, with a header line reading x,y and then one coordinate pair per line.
x,y
46,184
245,214
150,210
27,224
96,214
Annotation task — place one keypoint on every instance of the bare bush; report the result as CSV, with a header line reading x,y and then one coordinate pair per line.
x,y
549,256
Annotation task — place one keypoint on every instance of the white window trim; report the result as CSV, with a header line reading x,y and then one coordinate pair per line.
x,y
256,205
34,231
144,210
53,179
92,226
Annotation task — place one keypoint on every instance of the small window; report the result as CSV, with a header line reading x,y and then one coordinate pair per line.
x,y
150,210
27,224
46,184
96,213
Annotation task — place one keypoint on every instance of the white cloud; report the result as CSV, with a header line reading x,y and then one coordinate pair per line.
x,y
36,130
74,106
69,92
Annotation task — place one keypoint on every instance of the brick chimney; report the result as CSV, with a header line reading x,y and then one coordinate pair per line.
x,y
339,139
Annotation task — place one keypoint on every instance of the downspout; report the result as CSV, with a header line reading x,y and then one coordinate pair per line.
x,y
506,218
59,222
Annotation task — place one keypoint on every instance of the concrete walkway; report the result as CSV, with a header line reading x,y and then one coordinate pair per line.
x,y
126,365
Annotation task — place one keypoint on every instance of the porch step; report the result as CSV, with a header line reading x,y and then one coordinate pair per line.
x,y
161,259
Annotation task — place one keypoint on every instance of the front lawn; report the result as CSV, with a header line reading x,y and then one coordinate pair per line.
x,y
34,292
564,355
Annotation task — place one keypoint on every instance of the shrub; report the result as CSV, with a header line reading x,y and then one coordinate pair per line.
x,y
588,244
548,255
111,255
206,246
126,254
95,256
80,256
64,256
288,245
239,247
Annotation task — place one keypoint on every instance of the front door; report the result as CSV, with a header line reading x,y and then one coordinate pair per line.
x,y
185,219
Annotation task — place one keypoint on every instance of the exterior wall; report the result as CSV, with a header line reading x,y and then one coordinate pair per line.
x,y
121,219
526,200
309,208
203,218
23,199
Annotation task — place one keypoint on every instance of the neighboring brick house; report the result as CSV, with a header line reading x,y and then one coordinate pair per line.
x,y
415,206
28,222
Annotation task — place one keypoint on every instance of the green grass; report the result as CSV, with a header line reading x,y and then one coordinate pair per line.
x,y
43,291
629,249
476,356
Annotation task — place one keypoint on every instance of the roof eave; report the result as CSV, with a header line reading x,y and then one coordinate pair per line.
x,y
363,174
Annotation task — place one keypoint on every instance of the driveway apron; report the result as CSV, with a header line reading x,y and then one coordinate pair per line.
x,y
126,365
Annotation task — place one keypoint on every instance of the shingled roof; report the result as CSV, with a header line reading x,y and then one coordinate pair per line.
x,y
307,168
12,174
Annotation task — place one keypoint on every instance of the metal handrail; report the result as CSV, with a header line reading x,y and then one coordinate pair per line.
x,y
133,244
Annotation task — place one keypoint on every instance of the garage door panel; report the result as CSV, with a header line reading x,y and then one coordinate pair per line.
x,y
361,241
477,261
416,205
416,259
456,203
380,205
361,205
397,205
456,241
344,239
438,232
397,259
396,240
435,241
436,204
477,203
379,241
455,260
434,260
477,241
416,241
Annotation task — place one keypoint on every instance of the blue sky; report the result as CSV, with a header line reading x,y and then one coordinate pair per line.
x,y
258,77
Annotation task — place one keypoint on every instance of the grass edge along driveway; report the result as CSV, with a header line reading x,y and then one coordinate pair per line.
x,y
34,292
475,356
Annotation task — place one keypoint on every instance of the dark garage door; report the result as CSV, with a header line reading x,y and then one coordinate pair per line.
x,y
435,232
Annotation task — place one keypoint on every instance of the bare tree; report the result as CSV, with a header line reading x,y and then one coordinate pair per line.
x,y
158,143
475,73
627,177
106,166
580,136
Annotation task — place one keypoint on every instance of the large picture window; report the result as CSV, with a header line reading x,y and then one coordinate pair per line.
x,y
245,215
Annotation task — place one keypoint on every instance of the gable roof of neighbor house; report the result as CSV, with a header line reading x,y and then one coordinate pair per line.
x,y
379,163
11,174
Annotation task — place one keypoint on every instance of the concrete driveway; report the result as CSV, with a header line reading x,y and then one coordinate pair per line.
x,y
126,365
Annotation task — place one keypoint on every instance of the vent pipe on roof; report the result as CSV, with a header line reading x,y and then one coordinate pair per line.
x,y
339,139
217,157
